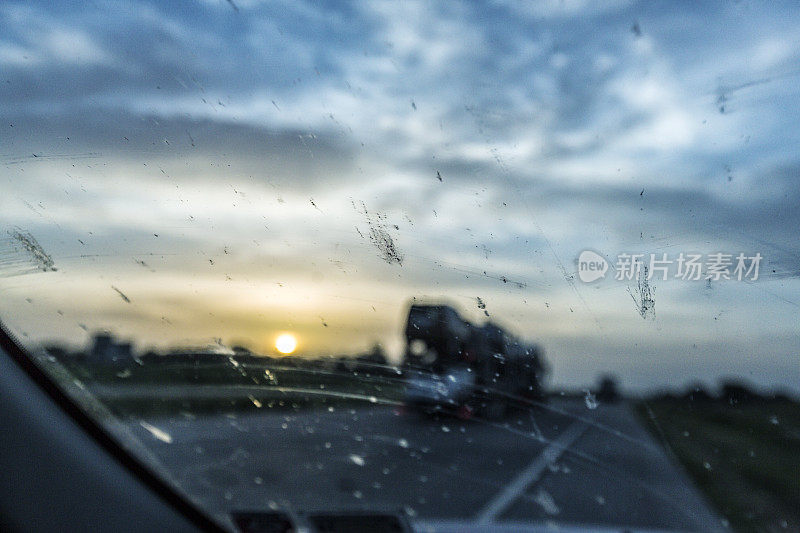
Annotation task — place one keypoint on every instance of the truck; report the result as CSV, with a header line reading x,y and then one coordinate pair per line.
x,y
457,366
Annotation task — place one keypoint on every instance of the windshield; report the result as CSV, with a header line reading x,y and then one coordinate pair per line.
x,y
464,264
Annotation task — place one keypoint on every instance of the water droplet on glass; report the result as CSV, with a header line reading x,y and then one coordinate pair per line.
x,y
590,400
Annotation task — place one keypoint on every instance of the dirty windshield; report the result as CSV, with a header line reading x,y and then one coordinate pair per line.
x,y
438,266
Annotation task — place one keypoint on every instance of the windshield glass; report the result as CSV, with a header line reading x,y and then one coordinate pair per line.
x,y
464,264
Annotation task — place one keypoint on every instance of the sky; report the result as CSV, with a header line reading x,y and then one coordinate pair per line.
x,y
232,171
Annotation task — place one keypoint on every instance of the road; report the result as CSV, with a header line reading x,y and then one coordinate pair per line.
x,y
566,464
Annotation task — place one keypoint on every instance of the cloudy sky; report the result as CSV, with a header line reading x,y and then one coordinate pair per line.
x,y
240,169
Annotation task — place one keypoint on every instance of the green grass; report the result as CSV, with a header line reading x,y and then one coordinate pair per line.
x,y
156,407
165,389
745,458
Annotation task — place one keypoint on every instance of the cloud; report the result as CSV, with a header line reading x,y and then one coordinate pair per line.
x,y
44,40
216,129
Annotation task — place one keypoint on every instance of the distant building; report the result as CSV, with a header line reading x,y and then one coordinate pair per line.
x,y
106,350
375,356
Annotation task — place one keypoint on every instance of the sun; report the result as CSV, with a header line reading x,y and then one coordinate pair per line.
x,y
286,343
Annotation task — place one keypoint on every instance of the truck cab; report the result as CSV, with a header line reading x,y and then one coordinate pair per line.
x,y
455,365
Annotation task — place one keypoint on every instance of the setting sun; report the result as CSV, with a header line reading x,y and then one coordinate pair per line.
x,y
286,343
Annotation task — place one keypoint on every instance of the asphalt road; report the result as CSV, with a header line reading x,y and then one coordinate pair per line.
x,y
566,464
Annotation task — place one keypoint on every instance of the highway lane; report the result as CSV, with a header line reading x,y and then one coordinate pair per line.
x,y
566,464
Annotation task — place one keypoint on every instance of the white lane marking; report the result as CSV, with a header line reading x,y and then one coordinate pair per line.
x,y
551,453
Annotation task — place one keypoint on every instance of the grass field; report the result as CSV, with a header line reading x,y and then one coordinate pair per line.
x,y
745,457
169,389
